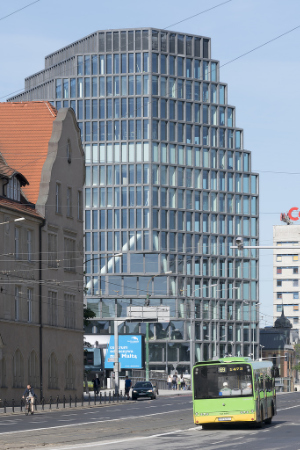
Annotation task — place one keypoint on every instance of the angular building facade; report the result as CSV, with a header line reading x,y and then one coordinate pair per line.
x,y
168,187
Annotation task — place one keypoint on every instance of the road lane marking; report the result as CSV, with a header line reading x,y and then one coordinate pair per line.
x,y
91,423
219,442
100,444
290,407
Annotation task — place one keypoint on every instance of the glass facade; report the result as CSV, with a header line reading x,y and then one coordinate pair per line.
x,y
169,187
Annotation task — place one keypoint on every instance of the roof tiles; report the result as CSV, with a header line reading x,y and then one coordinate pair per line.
x,y
25,131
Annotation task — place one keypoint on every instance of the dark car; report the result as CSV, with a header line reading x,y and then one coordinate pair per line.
x,y
143,389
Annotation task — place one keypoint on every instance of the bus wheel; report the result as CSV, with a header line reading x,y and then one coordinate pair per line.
x,y
268,421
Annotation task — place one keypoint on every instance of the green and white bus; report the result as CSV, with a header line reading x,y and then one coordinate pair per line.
x,y
233,390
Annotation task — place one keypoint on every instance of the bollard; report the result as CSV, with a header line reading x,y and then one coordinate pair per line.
x,y
13,405
82,399
21,405
35,403
57,400
70,402
100,398
105,397
95,397
64,401
75,401
89,399
109,397
50,402
43,403
4,406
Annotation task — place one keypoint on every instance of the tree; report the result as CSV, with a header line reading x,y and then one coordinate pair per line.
x,y
87,314
297,357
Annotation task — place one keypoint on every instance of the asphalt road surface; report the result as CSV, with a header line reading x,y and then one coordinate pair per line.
x,y
165,423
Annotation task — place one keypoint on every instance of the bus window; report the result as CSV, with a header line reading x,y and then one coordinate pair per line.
x,y
222,381
261,383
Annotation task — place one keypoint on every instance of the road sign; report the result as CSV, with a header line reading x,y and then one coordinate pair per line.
x,y
148,313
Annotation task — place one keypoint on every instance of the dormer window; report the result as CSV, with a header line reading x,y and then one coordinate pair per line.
x,y
13,189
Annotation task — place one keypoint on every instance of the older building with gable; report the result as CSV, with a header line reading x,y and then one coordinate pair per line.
x,y
41,229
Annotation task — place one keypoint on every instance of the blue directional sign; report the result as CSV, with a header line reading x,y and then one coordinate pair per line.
x,y
130,352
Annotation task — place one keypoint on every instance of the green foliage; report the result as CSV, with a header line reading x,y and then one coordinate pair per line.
x,y
87,314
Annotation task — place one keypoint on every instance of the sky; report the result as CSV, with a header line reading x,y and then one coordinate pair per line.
x,y
262,85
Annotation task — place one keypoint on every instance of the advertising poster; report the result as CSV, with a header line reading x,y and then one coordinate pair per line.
x,y
130,352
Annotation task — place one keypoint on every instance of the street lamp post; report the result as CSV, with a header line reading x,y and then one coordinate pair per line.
x,y
147,302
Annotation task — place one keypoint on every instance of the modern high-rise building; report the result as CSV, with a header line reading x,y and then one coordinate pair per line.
x,y
286,273
168,187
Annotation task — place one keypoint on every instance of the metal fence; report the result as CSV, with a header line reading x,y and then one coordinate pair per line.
x,y
18,405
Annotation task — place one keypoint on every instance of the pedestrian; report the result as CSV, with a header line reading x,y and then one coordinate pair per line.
x,y
178,383
182,383
169,382
174,382
96,385
127,386
29,395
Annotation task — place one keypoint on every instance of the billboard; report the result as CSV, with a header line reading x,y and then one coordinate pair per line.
x,y
130,352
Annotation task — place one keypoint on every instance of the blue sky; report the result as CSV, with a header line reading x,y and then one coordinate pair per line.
x,y
262,86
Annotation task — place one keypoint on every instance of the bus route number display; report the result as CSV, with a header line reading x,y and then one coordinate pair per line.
x,y
222,369
235,369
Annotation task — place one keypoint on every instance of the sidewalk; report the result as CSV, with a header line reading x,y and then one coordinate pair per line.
x,y
106,400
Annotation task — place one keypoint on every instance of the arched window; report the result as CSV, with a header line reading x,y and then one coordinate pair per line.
x,y
33,370
18,369
70,372
3,373
52,372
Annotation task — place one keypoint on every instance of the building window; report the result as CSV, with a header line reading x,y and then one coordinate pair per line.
x,y
278,258
69,202
279,283
295,270
69,254
295,283
52,372
295,257
295,319
33,370
279,295
17,302
13,189
58,198
69,306
29,305
52,250
18,370
79,206
17,242
279,308
3,372
29,245
295,295
295,307
69,152
279,270
52,308
70,372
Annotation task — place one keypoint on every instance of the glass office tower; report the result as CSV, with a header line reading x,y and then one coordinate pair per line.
x,y
168,187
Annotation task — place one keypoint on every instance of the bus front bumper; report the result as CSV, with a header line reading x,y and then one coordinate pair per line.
x,y
224,418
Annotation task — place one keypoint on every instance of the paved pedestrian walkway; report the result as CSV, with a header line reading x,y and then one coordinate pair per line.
x,y
107,398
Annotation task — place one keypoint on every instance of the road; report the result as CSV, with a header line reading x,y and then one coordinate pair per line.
x,y
165,423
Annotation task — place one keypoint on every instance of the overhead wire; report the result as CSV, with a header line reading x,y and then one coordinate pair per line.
x,y
18,10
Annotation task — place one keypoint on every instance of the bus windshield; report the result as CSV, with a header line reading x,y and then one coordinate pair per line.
x,y
216,381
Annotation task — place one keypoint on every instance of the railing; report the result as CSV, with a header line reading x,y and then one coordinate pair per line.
x,y
61,403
